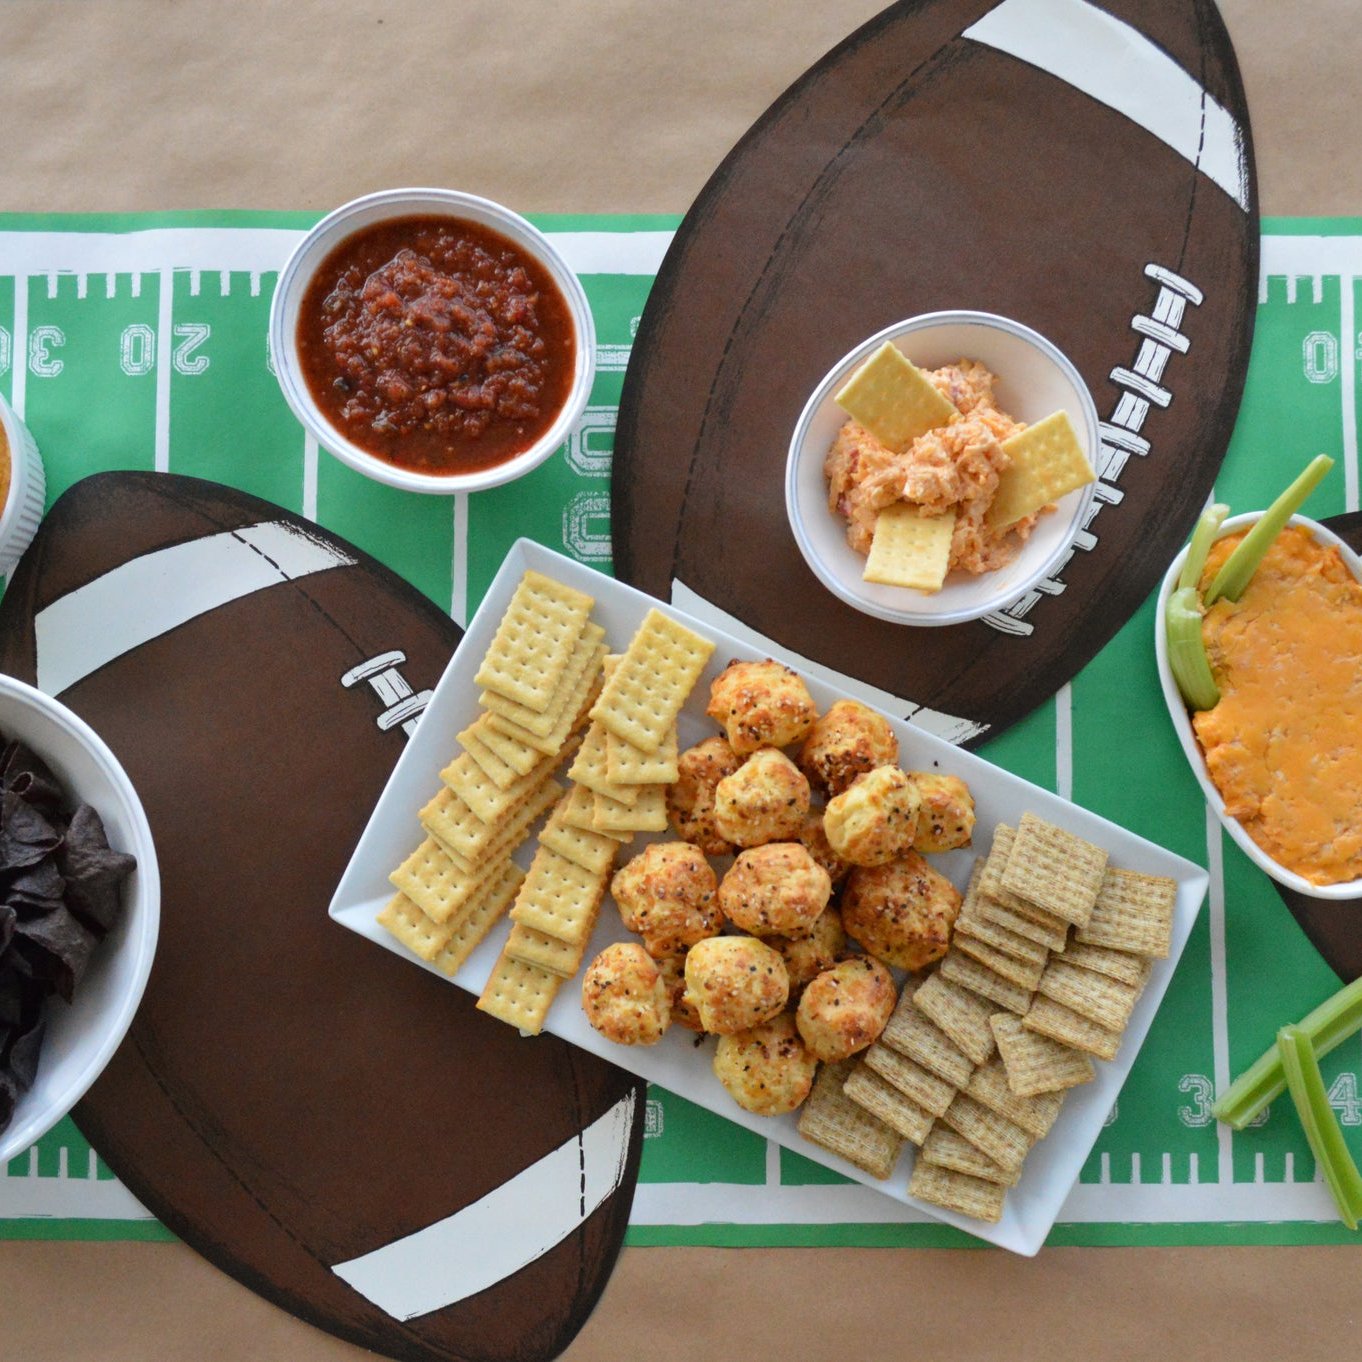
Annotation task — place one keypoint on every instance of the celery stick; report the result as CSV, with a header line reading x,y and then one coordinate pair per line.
x,y
1187,650
1238,569
1203,536
1325,1135
1328,1026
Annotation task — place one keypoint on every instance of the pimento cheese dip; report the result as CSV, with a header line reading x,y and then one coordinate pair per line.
x,y
1284,745
954,467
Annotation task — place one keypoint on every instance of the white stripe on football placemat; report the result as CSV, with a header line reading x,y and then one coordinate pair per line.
x,y
151,595
506,1230
1118,66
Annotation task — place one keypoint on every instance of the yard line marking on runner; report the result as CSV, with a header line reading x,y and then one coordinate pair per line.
x,y
19,348
1064,742
164,342
1347,336
458,566
1220,1028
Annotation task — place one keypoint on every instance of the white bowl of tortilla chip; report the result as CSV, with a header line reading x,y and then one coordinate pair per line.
x,y
1034,380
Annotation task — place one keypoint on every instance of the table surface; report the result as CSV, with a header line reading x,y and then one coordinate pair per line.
x,y
598,106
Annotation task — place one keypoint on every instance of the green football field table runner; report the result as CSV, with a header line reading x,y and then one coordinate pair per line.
x,y
139,341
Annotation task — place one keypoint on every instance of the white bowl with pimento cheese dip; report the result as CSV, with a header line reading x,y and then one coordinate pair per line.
x,y
1292,672
1033,380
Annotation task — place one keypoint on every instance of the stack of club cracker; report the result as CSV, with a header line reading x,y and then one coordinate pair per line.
x,y
540,676
1050,952
619,778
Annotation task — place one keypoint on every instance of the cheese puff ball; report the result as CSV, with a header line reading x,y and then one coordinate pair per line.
x,y
624,995
806,957
846,742
816,843
845,1008
760,704
667,895
946,818
735,983
902,913
775,889
766,1070
683,1009
874,819
764,800
690,801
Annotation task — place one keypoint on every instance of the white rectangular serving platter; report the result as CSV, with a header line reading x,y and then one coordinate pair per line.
x,y
677,1063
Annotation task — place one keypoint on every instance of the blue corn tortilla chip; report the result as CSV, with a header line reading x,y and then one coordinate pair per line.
x,y
93,871
22,1060
35,889
60,936
60,893
25,835
27,774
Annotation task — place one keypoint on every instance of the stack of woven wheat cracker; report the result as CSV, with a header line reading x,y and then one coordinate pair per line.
x,y
1051,950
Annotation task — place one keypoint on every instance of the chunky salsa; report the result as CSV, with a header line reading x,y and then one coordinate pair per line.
x,y
436,344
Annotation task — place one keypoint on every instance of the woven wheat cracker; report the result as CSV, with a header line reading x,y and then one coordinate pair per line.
x,y
832,1121
867,1089
1024,973
1063,1024
1004,1141
947,1148
960,1014
989,1086
1133,912
912,1079
1054,869
952,1191
1100,998
969,973
1036,1063
911,1034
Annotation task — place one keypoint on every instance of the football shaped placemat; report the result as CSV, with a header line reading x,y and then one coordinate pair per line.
x,y
1086,170
340,1132
1333,926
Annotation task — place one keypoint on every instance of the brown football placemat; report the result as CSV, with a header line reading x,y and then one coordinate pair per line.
x,y
914,169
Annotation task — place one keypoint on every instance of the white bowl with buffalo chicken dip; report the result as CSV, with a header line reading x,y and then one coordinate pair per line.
x,y
1290,669
1032,379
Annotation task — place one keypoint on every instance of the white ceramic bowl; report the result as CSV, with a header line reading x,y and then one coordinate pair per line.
x,y
82,1037
399,203
23,508
1182,723
1034,380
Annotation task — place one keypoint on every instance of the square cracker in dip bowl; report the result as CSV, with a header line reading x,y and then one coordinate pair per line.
x,y
1033,380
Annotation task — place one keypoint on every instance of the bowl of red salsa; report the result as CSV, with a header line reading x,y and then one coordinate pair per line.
x,y
433,340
